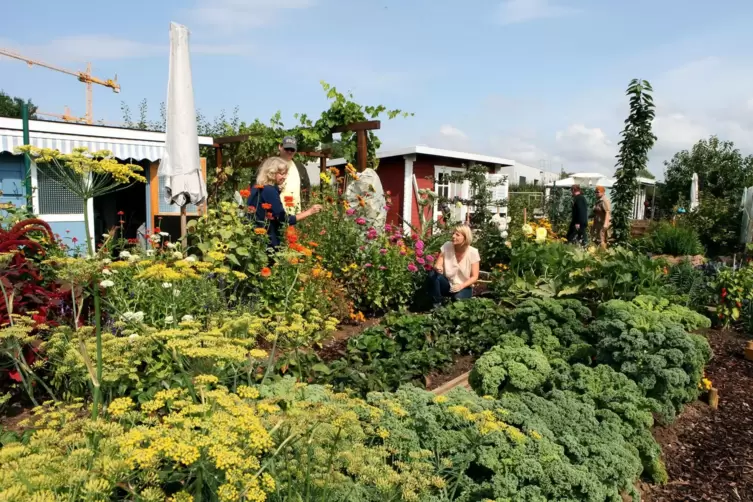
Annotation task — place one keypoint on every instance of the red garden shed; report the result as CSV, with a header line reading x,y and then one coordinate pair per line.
x,y
406,170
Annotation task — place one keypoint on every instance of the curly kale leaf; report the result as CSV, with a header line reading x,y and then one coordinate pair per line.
x,y
507,369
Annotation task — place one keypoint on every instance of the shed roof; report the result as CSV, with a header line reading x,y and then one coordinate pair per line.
x,y
123,143
435,152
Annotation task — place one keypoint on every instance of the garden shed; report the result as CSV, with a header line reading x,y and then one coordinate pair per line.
x,y
60,208
404,171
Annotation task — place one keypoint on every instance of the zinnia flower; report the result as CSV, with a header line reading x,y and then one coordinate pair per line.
x,y
245,193
412,268
420,261
266,272
367,265
350,212
266,205
383,251
361,221
260,231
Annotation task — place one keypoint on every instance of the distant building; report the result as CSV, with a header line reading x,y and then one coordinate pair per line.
x,y
521,174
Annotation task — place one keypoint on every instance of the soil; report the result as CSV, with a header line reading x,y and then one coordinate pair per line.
x,y
461,365
709,453
334,347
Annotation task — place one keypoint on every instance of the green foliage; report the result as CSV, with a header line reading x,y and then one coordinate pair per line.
x,y
509,369
637,140
733,295
723,173
689,286
11,107
613,393
675,240
557,270
687,318
652,349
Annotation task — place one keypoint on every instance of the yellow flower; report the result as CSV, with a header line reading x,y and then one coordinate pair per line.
x,y
118,407
206,380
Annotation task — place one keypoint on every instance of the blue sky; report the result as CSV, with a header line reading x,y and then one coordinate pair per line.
x,y
538,81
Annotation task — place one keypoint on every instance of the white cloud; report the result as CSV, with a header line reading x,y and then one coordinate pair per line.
x,y
583,145
85,48
521,11
452,132
233,15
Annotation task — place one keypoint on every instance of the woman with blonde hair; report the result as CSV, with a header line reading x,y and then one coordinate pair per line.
x,y
457,268
265,203
602,214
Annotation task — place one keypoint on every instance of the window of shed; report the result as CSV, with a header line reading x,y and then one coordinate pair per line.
x,y
55,198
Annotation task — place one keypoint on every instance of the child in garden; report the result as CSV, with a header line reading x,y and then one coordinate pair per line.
x,y
456,269
266,205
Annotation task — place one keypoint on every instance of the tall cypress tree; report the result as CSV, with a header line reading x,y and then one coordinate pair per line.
x,y
637,140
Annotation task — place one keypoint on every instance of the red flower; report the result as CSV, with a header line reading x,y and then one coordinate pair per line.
x,y
266,205
251,209
724,293
245,193
74,240
270,216
120,213
157,230
266,272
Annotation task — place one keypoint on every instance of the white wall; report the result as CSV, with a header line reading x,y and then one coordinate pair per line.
x,y
531,173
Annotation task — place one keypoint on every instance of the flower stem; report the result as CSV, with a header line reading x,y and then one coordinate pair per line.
x,y
98,336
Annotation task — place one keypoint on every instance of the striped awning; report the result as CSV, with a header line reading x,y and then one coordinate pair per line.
x,y
122,149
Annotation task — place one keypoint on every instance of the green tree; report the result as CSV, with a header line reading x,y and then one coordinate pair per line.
x,y
637,140
11,106
645,173
723,173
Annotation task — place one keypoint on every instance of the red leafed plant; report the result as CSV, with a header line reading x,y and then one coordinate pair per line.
x,y
24,292
24,287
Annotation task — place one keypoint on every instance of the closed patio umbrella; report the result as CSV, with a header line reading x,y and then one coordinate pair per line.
x,y
180,166
694,202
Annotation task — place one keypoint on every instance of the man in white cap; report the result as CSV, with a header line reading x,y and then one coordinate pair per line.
x,y
298,178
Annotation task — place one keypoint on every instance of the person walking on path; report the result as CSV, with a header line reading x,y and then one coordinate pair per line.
x,y
602,217
579,221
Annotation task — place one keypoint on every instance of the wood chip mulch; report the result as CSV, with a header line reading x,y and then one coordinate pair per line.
x,y
709,453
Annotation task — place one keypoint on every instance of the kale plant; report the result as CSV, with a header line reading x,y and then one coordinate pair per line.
x,y
506,369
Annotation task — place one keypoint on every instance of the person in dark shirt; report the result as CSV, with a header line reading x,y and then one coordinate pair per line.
x,y
579,221
265,204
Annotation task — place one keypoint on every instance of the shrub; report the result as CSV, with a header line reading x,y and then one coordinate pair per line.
x,y
507,369
675,240
653,350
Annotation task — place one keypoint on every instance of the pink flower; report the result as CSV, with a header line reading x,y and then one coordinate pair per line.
x,y
322,232
361,248
419,252
74,240
402,252
382,267
350,212
427,267
371,234
383,251
361,221
419,245
386,208
420,261
367,265
388,228
430,258
412,268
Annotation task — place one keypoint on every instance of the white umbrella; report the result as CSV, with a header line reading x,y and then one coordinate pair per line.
x,y
694,192
180,166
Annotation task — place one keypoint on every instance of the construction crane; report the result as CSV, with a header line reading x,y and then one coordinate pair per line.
x,y
83,76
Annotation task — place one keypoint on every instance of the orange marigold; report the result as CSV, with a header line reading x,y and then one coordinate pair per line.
x,y
260,231
267,206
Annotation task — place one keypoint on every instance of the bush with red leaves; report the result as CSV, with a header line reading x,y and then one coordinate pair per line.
x,y
24,285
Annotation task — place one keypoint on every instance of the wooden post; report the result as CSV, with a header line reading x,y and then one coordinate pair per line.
x,y
183,228
362,150
749,351
360,128
713,398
